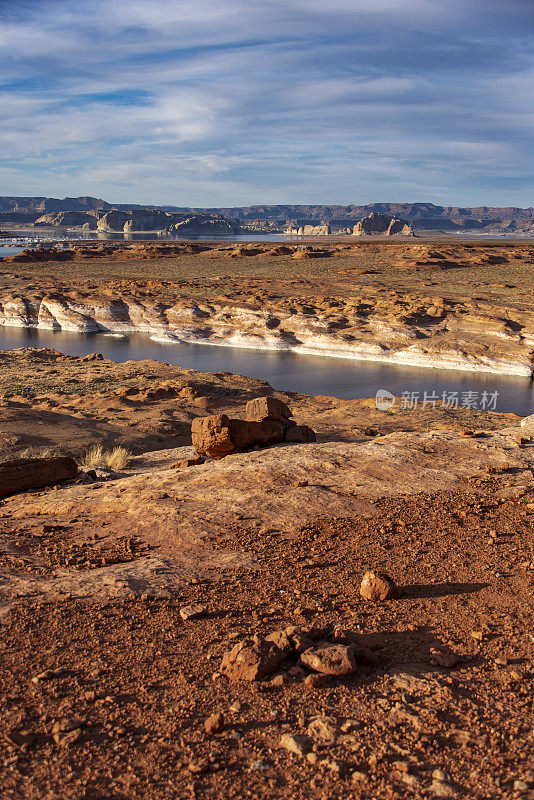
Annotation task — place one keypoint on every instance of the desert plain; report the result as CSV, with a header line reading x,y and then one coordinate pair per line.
x,y
188,626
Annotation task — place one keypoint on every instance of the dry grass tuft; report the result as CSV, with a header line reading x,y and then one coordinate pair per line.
x,y
118,458
115,459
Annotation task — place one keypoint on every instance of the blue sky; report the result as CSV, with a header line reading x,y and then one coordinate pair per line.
x,y
234,102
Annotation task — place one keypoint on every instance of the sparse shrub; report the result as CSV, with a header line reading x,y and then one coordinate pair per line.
x,y
115,459
94,457
118,458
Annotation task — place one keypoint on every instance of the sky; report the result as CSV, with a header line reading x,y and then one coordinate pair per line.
x,y
239,102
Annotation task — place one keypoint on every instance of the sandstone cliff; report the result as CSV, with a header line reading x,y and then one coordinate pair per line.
x,y
69,219
308,230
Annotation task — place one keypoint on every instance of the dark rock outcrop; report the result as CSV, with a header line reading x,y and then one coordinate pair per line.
x,y
33,473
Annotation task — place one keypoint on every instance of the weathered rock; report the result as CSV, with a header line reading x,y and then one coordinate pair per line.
x,y
316,680
193,612
262,408
281,640
377,586
527,422
330,659
252,660
33,473
300,433
214,723
218,436
323,730
295,743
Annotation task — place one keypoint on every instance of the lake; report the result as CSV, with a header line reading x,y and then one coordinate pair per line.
x,y
287,371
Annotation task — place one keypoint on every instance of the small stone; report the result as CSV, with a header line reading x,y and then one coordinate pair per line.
x,y
411,780
440,775
357,776
65,725
337,767
236,706
214,724
295,743
323,730
259,764
477,635
521,786
192,612
446,660
281,680
198,767
377,586
49,674
68,738
312,758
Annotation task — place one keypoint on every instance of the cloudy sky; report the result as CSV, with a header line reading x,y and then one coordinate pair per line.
x,y
233,102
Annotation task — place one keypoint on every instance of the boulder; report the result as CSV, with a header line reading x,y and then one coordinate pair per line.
x,y
252,660
217,436
33,473
300,433
527,422
262,408
377,586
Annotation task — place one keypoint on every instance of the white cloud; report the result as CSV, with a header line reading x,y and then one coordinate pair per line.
x,y
148,101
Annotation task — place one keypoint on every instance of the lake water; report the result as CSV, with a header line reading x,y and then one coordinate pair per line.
x,y
313,375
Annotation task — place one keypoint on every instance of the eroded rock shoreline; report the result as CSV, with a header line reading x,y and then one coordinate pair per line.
x,y
416,305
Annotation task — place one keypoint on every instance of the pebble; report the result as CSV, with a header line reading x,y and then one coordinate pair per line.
x,y
214,724
260,763
197,767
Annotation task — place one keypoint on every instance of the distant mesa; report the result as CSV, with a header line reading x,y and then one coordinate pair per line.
x,y
138,220
381,225
69,219
80,213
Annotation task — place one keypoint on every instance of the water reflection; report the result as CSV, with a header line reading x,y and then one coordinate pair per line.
x,y
342,378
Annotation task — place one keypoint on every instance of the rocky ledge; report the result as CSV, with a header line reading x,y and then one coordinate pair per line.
x,y
407,312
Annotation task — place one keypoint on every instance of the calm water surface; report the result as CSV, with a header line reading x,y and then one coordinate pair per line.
x,y
290,371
